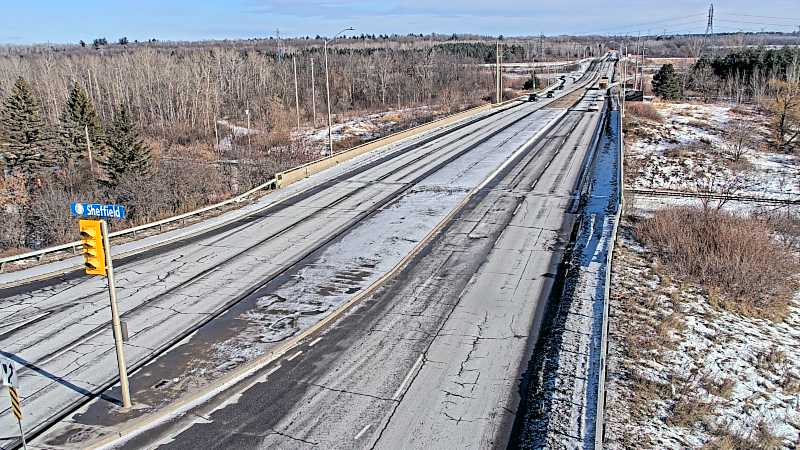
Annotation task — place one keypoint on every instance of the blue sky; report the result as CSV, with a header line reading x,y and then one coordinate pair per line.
x,y
35,21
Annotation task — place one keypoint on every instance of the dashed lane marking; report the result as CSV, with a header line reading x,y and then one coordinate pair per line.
x,y
363,430
407,379
314,342
295,355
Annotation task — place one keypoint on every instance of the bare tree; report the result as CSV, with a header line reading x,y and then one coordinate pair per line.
x,y
738,139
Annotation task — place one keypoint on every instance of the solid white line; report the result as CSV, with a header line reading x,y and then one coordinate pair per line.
x,y
294,356
363,430
315,341
407,378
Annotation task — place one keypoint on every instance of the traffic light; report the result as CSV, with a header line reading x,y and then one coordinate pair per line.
x,y
92,239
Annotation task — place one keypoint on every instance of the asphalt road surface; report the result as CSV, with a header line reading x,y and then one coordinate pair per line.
x,y
434,358
59,330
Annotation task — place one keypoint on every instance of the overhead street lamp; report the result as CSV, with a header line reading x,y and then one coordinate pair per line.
x,y
328,88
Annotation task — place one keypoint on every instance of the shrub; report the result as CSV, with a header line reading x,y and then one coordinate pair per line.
x,y
643,111
736,256
688,410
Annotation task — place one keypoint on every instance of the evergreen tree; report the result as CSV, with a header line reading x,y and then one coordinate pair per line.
x,y
26,142
79,116
666,83
127,152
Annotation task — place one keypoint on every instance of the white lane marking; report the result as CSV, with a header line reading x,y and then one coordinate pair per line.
x,y
294,356
407,378
274,369
315,341
363,430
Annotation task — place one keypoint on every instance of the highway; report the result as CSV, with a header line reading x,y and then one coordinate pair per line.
x,y
233,294
433,359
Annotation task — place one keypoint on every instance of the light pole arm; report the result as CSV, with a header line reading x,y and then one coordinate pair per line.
x,y
328,88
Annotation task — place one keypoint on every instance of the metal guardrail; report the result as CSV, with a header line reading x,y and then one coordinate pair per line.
x,y
601,386
133,230
712,196
272,183
306,169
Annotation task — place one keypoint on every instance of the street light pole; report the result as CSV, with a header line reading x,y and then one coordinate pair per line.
x,y
328,89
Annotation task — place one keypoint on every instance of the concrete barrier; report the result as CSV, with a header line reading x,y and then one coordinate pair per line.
x,y
290,176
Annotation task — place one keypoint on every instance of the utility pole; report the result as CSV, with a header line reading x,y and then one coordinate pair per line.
x,y
328,89
641,69
636,66
497,72
89,148
624,51
313,94
247,113
296,94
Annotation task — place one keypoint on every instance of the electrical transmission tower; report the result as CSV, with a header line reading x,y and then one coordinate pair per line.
x,y
710,28
541,46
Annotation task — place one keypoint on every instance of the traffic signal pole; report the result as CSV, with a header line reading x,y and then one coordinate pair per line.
x,y
115,323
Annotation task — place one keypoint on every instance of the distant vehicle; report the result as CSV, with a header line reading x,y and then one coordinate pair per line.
x,y
549,94
604,83
532,97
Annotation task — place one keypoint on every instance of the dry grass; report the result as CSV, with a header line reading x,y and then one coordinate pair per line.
x,y
737,257
790,384
762,438
643,111
688,410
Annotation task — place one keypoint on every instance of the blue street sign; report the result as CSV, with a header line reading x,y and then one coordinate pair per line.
x,y
97,210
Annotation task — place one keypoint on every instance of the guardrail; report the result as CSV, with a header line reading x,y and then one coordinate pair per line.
x,y
712,196
601,386
304,170
74,246
273,183
281,179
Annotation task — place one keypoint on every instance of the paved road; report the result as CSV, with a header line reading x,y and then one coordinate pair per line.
x,y
60,329
434,358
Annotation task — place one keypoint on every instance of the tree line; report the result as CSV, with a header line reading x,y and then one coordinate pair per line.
x,y
153,115
768,77
30,147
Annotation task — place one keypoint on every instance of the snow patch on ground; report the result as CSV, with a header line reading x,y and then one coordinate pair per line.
x,y
686,153
736,373
682,372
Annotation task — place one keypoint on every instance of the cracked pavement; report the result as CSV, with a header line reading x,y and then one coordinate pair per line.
x,y
433,359
63,331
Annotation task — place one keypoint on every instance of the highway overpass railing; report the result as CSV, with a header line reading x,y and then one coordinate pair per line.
x,y
281,179
76,245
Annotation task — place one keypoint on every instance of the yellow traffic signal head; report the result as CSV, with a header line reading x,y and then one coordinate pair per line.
x,y
92,239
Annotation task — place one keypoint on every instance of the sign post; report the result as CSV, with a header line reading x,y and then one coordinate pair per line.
x,y
112,293
9,379
97,258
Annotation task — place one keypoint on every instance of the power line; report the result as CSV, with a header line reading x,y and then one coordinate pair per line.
x,y
771,24
640,25
765,17
650,30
